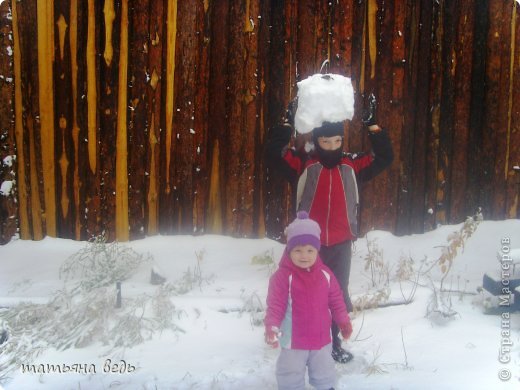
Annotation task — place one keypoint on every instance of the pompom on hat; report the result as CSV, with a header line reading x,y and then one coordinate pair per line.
x,y
303,231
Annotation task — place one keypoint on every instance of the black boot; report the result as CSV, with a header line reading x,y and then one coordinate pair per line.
x,y
341,356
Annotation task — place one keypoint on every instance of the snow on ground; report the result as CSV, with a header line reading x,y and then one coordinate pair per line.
x,y
220,345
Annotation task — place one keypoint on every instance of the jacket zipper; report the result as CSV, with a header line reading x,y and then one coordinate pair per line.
x,y
328,209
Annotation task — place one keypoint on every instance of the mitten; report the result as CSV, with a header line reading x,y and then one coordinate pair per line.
x,y
278,138
346,330
369,113
271,336
290,114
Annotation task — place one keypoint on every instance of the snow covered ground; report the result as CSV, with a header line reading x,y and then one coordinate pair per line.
x,y
218,343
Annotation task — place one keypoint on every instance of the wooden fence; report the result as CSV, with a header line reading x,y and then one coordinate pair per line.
x,y
140,117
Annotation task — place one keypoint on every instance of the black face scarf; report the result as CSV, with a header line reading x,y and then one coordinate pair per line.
x,y
328,158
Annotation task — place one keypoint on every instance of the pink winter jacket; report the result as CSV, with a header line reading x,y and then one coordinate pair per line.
x,y
303,302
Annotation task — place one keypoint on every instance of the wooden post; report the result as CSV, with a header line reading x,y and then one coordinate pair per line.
x,y
92,86
8,201
171,33
122,233
138,127
155,45
45,12
23,198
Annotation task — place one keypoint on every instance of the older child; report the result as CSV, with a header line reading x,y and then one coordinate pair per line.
x,y
303,299
327,188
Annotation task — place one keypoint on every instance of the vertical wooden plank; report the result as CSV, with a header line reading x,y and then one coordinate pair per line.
x,y
138,127
279,86
79,102
63,73
259,216
306,45
166,195
154,114
46,99
90,114
293,74
184,132
477,107
500,127
21,153
432,149
27,32
171,34
111,184
241,107
403,98
252,140
122,232
284,208
92,86
201,124
489,155
364,53
421,116
446,115
234,139
378,197
355,131
285,18
371,35
390,93
323,25
512,49
217,114
463,48
398,190
513,179
341,37
76,14
8,204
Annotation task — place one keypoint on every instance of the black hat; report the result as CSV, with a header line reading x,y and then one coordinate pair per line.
x,y
329,129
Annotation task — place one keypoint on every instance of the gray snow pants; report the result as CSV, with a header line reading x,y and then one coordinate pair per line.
x,y
337,258
291,364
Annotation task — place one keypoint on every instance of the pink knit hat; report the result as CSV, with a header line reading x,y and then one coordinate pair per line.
x,y
303,231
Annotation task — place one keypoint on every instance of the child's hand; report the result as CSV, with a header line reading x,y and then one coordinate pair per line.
x,y
290,114
271,336
346,330
369,113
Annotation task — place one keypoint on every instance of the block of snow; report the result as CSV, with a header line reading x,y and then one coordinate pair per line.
x,y
323,98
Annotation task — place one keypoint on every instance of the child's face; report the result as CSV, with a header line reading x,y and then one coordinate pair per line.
x,y
303,256
330,143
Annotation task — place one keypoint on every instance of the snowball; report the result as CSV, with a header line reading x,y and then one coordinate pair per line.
x,y
323,98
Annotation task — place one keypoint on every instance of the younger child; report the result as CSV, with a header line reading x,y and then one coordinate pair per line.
x,y
303,299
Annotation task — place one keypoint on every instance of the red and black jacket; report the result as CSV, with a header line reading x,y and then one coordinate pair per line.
x,y
330,196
